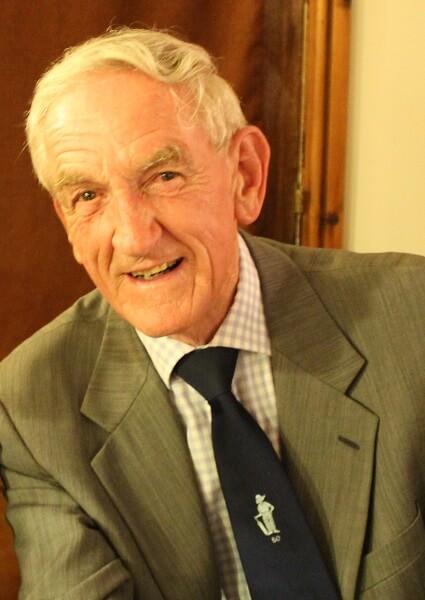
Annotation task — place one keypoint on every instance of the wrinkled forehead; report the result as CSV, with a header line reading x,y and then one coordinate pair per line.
x,y
114,109
107,96
126,124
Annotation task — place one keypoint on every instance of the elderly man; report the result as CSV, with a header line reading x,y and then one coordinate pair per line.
x,y
114,462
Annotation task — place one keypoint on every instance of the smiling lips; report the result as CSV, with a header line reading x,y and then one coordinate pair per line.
x,y
156,271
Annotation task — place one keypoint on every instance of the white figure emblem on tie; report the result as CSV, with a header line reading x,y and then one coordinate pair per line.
x,y
264,518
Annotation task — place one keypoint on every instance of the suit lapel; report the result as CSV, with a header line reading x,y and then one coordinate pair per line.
x,y
328,439
145,466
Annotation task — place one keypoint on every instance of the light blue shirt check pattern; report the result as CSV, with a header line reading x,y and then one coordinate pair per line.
x,y
244,328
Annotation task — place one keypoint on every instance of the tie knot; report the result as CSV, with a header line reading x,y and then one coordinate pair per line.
x,y
209,370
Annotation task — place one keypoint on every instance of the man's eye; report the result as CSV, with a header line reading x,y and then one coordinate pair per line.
x,y
164,183
167,175
88,195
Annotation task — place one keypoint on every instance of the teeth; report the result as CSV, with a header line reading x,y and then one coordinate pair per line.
x,y
155,271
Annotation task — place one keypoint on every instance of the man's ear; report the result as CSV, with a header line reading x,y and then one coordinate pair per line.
x,y
250,152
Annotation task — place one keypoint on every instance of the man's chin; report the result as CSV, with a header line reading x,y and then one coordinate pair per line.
x,y
188,335
175,322
157,327
154,319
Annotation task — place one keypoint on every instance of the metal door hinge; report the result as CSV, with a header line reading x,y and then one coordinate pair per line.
x,y
330,219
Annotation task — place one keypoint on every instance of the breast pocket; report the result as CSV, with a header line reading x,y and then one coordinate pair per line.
x,y
397,571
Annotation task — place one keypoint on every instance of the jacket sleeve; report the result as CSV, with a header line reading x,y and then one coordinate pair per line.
x,y
61,551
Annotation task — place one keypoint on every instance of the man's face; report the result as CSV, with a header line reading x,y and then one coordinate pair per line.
x,y
150,207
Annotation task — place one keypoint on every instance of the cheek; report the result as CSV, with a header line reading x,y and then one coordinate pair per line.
x,y
217,257
208,217
72,233
84,240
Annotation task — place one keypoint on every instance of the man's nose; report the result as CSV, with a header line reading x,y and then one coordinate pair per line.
x,y
136,229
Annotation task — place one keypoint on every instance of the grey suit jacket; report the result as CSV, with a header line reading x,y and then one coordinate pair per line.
x,y
102,494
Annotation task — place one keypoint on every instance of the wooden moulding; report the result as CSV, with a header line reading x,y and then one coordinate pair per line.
x,y
282,43
325,121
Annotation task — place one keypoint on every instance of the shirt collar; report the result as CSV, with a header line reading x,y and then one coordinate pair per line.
x,y
244,326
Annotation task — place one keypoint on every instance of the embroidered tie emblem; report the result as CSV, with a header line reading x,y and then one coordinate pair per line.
x,y
265,519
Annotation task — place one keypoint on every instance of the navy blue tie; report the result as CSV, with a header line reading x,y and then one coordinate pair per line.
x,y
279,555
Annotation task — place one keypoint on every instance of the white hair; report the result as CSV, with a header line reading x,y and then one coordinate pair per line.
x,y
157,54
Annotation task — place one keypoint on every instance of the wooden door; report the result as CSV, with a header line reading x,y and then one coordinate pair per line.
x,y
305,118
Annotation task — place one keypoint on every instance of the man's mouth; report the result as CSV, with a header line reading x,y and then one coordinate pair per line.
x,y
157,271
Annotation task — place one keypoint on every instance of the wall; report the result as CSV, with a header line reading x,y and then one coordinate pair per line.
x,y
385,204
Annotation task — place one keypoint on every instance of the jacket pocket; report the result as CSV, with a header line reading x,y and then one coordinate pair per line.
x,y
396,571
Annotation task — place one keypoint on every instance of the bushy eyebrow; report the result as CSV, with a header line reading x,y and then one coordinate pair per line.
x,y
172,153
69,181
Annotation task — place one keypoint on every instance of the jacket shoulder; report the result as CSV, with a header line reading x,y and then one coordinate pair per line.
x,y
69,343
326,259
